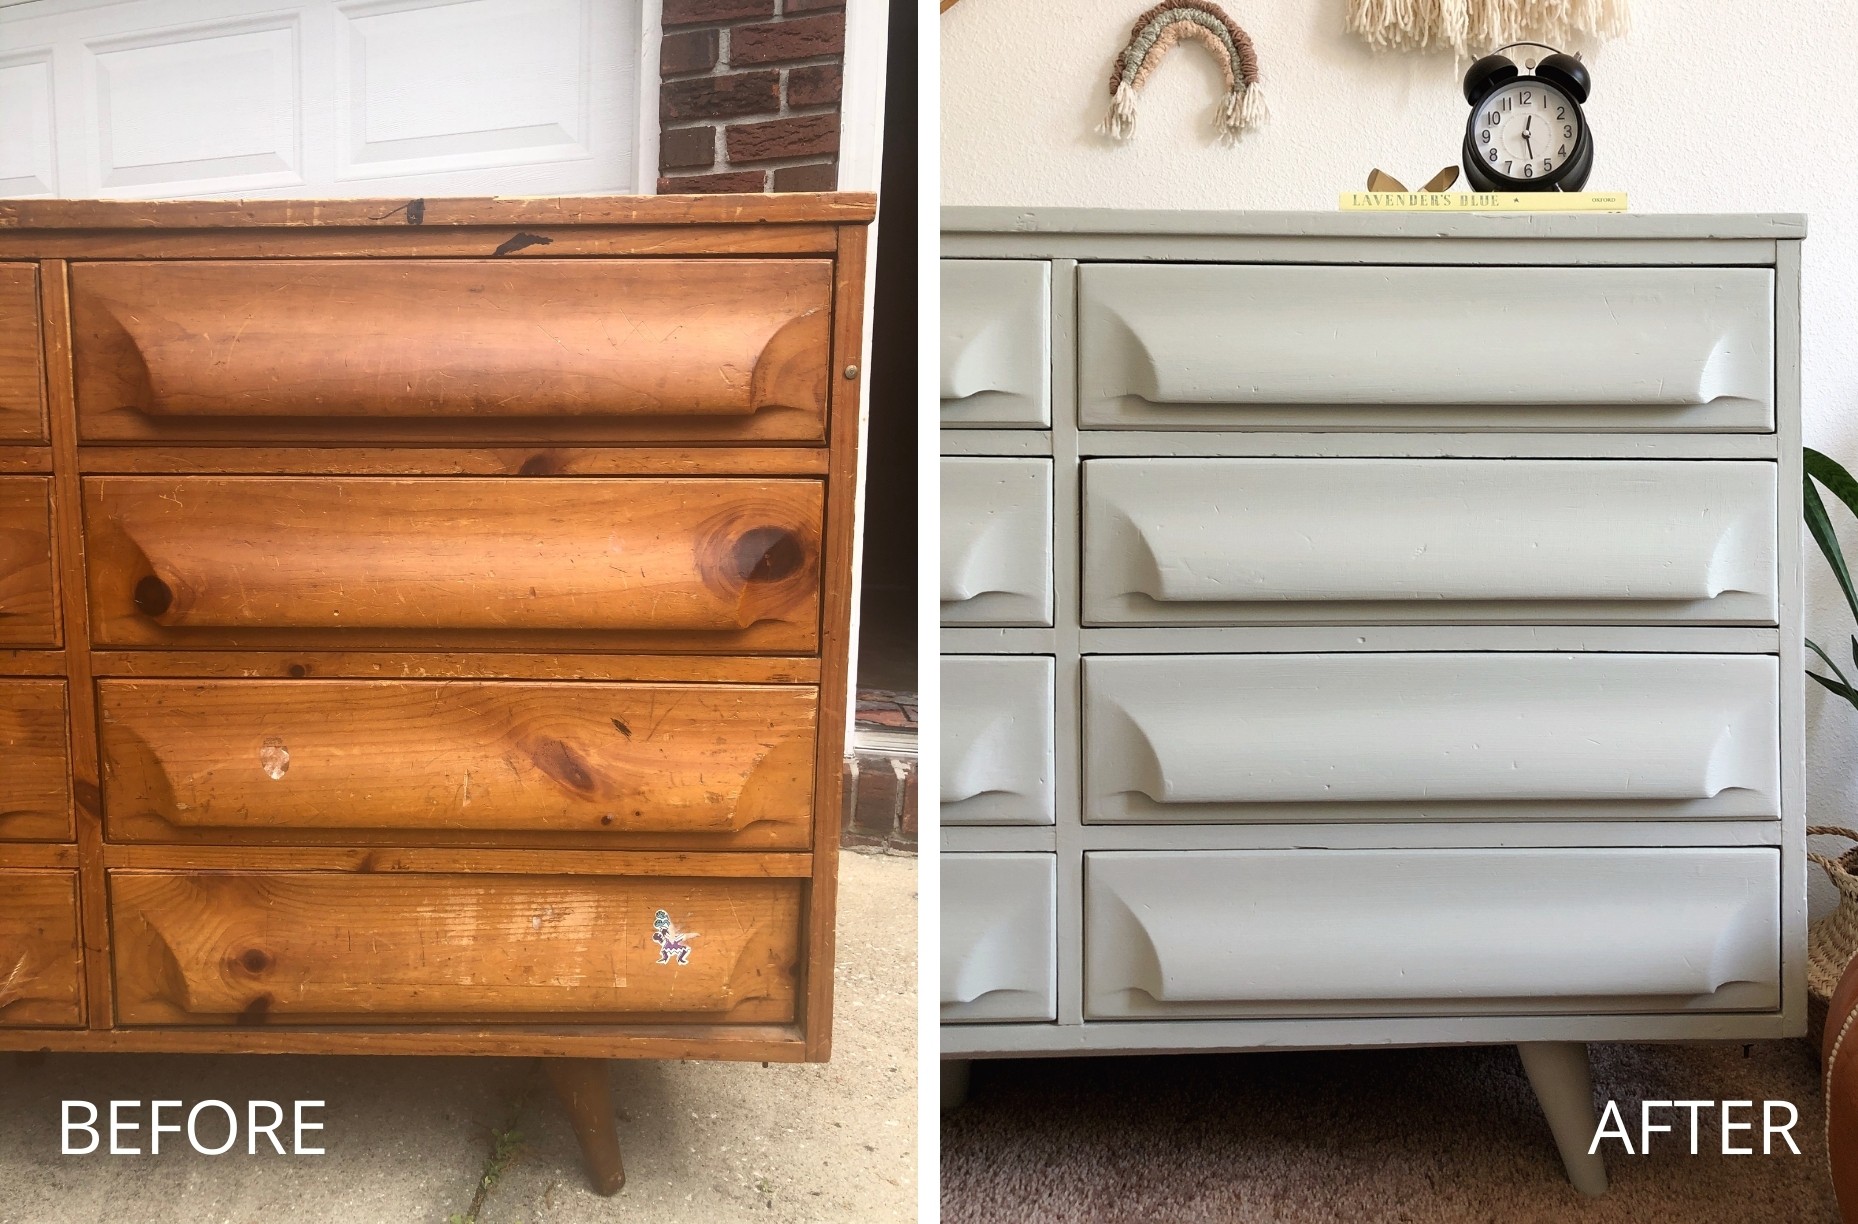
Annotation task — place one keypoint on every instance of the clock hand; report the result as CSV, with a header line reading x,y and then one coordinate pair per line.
x,y
1526,144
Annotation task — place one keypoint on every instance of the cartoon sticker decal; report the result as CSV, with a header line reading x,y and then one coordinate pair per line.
x,y
673,944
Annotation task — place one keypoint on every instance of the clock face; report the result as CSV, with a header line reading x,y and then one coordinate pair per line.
x,y
1526,130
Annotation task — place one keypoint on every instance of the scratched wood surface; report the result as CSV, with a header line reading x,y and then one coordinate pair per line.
x,y
719,764
22,401
691,213
294,947
39,950
35,766
712,565
714,349
27,603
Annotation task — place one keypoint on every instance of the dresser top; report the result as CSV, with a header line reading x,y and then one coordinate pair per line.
x,y
1244,224
791,208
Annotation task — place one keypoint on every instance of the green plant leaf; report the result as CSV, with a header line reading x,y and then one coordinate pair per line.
x,y
1844,690
1827,659
1843,486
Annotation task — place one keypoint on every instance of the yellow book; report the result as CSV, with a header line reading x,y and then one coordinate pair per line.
x,y
1483,201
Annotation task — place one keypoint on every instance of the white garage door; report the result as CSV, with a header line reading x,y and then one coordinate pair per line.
x,y
165,98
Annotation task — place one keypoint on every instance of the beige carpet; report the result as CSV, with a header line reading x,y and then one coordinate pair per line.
x,y
1403,1136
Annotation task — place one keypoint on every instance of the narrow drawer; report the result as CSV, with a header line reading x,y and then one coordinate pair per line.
x,y
999,937
28,608
997,741
996,541
35,763
1187,346
267,351
40,982
699,564
715,765
996,343
307,948
1432,932
22,386
1233,541
1298,737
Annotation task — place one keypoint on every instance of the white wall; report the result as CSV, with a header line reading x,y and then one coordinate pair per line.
x,y
1711,107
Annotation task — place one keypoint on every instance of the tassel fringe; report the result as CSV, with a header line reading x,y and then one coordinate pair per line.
x,y
1119,124
1463,25
1241,110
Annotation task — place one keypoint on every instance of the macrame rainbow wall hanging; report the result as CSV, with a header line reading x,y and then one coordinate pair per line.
x,y
1468,25
1156,33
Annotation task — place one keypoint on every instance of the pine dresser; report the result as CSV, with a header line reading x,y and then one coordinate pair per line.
x,y
423,627
1370,630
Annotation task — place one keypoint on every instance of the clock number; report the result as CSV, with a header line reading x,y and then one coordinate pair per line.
x,y
1526,97
1506,167
1485,135
1562,151
1493,117
1528,169
1567,132
1547,165
1561,112
1507,101
1493,154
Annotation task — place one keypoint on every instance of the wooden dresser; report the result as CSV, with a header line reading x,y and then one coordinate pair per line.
x,y
1370,630
423,626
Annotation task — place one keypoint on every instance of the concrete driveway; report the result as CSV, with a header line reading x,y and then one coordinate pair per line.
x,y
416,1139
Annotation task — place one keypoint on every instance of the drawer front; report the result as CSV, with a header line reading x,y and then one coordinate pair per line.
x,y
1298,737
1187,346
40,982
996,343
999,937
720,565
302,948
22,397
996,541
716,765
997,741
1230,541
35,765
259,350
28,609
1435,932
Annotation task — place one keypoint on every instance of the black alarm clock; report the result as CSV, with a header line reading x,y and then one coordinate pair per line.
x,y
1526,131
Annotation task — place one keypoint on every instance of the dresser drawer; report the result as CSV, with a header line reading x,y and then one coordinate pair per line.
x,y
615,564
1434,932
996,541
268,351
1230,541
999,937
1190,346
256,948
40,982
35,766
28,609
1433,737
22,393
711,765
997,741
996,343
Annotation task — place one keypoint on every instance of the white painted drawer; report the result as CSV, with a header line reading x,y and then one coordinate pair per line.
x,y
1430,737
996,541
1438,932
996,343
1232,541
999,937
1192,346
997,761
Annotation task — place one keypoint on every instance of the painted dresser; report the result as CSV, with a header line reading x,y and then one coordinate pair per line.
x,y
1370,630
423,627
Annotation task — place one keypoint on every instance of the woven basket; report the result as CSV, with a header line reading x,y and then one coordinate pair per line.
x,y
1832,942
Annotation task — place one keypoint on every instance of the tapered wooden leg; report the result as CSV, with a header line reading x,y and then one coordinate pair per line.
x,y
955,1082
1563,1084
586,1093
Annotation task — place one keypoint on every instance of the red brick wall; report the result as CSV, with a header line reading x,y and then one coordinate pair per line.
x,y
749,96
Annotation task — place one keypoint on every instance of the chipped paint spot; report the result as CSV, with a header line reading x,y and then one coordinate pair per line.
x,y
274,758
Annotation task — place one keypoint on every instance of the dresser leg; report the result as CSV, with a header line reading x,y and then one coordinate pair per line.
x,y
585,1092
1563,1085
955,1082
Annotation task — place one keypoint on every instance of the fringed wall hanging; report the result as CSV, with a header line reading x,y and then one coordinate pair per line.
x,y
1464,25
1155,34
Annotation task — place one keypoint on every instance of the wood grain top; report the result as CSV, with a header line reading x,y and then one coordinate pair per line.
x,y
787,208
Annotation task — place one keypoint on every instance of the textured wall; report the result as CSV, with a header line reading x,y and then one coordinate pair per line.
x,y
1024,86
750,95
